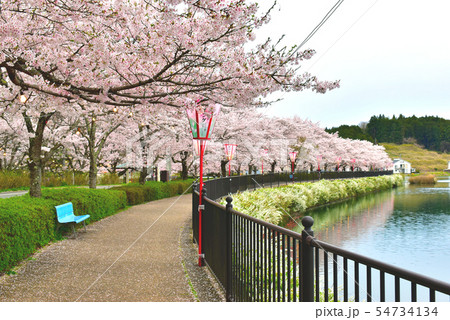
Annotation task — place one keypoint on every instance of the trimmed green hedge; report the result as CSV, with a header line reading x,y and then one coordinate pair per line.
x,y
154,190
272,204
27,224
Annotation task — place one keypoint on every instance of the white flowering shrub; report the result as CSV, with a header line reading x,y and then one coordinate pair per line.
x,y
274,205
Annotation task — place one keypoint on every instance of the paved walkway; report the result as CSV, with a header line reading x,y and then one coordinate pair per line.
x,y
142,254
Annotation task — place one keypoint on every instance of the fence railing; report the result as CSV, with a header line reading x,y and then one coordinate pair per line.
x,y
257,261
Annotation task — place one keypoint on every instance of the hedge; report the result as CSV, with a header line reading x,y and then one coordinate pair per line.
x,y
153,190
272,204
26,223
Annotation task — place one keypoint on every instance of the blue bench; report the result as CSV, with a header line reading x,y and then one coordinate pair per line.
x,y
64,213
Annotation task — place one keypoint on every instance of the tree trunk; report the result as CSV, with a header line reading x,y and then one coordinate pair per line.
x,y
34,152
35,179
143,132
184,155
223,167
92,172
184,169
91,127
272,166
143,175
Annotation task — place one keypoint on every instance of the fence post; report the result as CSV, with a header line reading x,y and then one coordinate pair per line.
x,y
229,262
307,261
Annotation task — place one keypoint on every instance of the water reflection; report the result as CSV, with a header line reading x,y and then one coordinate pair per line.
x,y
408,227
344,221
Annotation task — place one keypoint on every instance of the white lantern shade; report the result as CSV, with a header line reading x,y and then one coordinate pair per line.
x,y
199,145
230,150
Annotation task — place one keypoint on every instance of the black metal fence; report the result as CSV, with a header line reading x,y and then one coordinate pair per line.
x,y
257,261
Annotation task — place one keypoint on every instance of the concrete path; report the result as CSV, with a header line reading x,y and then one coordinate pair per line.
x,y
141,254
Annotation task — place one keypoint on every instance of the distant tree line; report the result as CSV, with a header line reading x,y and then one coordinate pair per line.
x,y
431,132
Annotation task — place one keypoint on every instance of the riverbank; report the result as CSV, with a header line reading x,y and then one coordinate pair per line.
x,y
276,205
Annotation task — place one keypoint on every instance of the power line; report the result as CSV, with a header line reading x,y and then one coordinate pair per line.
x,y
321,23
344,33
327,16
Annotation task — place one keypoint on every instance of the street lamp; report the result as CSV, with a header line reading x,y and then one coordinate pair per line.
x,y
338,161
201,120
230,150
264,153
292,156
319,158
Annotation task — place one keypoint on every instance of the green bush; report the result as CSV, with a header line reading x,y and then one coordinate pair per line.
x,y
14,179
109,178
27,224
135,195
153,190
20,179
272,204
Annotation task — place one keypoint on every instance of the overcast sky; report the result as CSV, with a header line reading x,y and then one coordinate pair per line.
x,y
392,57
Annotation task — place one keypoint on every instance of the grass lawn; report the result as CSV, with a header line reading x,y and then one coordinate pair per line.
x,y
421,159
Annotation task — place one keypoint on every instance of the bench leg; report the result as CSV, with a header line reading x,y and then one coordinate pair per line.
x,y
84,223
73,229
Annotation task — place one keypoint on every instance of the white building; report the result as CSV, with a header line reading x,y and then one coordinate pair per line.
x,y
448,169
402,166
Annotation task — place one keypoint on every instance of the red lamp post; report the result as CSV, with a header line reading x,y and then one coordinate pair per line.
x,y
264,153
319,158
230,150
292,156
338,161
201,120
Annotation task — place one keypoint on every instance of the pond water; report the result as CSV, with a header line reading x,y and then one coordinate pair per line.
x,y
408,227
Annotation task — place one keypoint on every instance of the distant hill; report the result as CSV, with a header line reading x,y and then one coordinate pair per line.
x,y
431,132
421,159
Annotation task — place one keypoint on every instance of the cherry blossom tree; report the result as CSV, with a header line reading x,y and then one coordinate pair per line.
x,y
142,52
127,53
